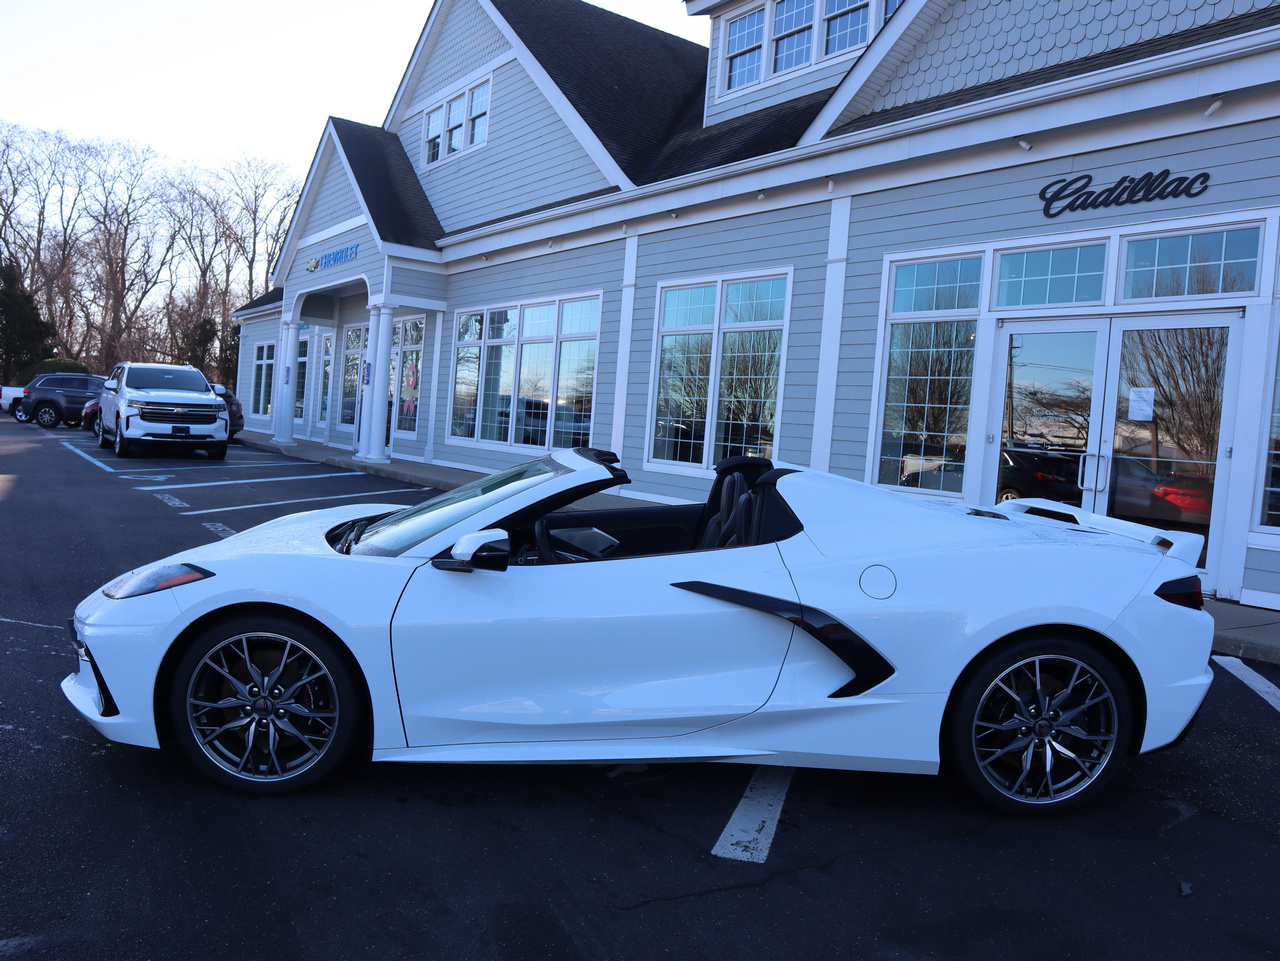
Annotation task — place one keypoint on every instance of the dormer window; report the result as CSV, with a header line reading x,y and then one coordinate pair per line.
x,y
796,33
458,123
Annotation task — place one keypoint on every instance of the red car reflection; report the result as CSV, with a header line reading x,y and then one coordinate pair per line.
x,y
1192,494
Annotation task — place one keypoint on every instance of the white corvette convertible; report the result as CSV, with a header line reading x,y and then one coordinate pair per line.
x,y
797,618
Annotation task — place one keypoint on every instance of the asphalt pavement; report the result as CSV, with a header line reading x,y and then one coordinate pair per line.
x,y
1240,631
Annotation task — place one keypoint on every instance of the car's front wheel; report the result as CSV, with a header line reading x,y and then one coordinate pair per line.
x,y
120,444
1041,726
265,705
217,451
47,416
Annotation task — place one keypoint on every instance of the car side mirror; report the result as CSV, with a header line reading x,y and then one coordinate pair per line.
x,y
219,390
486,550
111,385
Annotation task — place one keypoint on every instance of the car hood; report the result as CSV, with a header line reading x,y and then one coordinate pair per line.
x,y
292,535
178,398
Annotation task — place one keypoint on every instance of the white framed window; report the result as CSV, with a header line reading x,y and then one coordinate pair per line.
x,y
458,123
264,364
524,374
1204,263
410,385
326,372
718,374
785,35
1051,275
935,285
300,381
355,339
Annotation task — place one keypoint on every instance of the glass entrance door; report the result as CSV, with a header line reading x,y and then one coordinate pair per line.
x,y
1120,416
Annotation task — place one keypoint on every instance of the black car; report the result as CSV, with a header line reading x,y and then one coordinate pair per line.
x,y
53,399
234,410
1037,473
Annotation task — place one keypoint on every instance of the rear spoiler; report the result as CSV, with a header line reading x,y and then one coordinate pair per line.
x,y
1183,545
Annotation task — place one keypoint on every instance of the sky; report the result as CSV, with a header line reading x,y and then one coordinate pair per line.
x,y
207,83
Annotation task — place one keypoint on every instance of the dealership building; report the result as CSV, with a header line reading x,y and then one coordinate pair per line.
x,y
974,249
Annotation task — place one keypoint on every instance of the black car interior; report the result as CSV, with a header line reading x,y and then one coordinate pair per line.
x,y
742,509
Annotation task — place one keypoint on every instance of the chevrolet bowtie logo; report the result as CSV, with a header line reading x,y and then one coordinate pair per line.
x,y
313,265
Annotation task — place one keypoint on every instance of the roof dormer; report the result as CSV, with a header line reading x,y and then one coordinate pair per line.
x,y
767,52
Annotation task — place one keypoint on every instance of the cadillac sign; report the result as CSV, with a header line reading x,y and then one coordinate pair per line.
x,y
1076,193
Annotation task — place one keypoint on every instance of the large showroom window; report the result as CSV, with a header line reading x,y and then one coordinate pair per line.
x,y
719,360
264,362
1184,265
525,375
929,376
1270,509
410,346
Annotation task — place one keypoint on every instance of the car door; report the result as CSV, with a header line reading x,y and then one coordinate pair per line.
x,y
588,650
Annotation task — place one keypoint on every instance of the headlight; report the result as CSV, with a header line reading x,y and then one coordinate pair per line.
x,y
152,579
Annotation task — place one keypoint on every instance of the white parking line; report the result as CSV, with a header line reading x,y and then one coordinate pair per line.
x,y
1268,691
749,833
301,500
52,627
251,480
92,460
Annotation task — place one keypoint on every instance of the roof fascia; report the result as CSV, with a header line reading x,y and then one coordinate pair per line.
x,y
890,47
292,240
696,8
560,103
1153,84
426,45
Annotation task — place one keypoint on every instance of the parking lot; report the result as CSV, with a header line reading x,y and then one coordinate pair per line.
x,y
108,851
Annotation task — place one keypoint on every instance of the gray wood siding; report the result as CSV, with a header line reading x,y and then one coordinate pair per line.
x,y
368,265
585,269
1004,204
530,159
795,237
1262,570
418,283
977,41
468,38
335,200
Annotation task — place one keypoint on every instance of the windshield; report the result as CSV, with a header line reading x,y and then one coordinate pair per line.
x,y
167,378
397,533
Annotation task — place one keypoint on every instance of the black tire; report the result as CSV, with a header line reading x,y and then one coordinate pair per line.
x,y
217,451
46,416
1054,699
119,443
95,425
308,713
103,440
20,415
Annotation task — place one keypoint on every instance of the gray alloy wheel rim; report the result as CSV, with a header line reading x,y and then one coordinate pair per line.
x,y
1045,729
118,443
47,417
97,427
262,707
20,415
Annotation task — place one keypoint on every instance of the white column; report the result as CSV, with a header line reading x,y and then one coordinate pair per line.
x,y
286,370
381,387
824,409
366,388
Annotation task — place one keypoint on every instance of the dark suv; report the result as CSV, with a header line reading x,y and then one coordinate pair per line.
x,y
53,399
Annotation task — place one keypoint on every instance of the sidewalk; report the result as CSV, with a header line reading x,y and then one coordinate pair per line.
x,y
1240,631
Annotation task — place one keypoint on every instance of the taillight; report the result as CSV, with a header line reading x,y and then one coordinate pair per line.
x,y
1041,476
26,391
1185,591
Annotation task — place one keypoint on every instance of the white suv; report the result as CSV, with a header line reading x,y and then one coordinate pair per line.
x,y
164,404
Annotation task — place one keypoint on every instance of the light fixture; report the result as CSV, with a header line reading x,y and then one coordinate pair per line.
x,y
760,195
674,214
1022,142
484,257
1213,107
831,185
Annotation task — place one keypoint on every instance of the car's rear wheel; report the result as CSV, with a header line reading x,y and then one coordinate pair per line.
x,y
1008,494
47,416
120,444
20,415
1041,726
96,427
264,705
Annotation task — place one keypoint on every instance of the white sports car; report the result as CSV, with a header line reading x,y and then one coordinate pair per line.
x,y
797,618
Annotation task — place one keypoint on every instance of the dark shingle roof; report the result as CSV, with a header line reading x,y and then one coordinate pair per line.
x,y
400,210
1217,30
632,84
273,296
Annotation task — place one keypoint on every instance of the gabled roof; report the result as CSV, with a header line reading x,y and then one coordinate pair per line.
x,y
632,84
388,184
273,296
